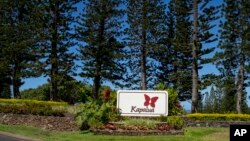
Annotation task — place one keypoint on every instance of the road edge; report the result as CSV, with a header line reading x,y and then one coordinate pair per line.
x,y
21,137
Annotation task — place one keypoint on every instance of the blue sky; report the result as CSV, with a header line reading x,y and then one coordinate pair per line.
x,y
209,68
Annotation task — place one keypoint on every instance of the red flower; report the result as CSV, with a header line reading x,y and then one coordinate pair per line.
x,y
106,94
178,105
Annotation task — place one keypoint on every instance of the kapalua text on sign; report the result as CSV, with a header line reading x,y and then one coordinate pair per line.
x,y
139,110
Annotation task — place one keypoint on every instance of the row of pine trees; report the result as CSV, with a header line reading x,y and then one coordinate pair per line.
x,y
134,44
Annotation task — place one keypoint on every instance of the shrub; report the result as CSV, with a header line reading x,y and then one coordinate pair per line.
x,y
21,101
96,115
174,107
39,93
176,122
34,107
173,103
69,90
219,117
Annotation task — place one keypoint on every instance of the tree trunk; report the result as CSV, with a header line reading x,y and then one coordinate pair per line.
x,y
1,87
16,82
194,62
143,50
244,48
16,89
16,86
96,86
98,67
54,57
16,78
240,84
143,65
54,74
97,76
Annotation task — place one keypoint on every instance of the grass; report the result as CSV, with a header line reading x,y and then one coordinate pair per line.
x,y
191,133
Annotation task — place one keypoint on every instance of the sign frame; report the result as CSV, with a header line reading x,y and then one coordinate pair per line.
x,y
126,99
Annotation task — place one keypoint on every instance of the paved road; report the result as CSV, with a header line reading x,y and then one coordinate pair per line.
x,y
7,138
10,137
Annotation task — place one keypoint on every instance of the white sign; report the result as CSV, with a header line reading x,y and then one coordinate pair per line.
x,y
142,103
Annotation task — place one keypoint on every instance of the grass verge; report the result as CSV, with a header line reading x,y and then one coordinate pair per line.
x,y
191,133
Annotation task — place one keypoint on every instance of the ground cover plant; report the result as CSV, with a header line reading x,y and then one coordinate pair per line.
x,y
97,113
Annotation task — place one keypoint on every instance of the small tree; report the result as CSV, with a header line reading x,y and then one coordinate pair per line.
x,y
213,101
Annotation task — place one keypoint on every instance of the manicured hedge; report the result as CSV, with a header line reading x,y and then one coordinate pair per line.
x,y
219,117
21,101
44,108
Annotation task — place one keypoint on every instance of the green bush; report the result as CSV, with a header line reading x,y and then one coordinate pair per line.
x,y
176,122
34,107
96,114
174,107
219,117
39,93
22,101
173,103
169,122
69,90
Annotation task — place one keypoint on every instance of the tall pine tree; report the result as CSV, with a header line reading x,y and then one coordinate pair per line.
x,y
181,54
56,38
174,56
101,52
17,39
146,24
5,11
234,43
203,16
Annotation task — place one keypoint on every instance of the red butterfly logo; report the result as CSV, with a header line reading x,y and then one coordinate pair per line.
x,y
150,101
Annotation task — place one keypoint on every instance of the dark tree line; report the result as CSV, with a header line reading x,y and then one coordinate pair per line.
x,y
132,44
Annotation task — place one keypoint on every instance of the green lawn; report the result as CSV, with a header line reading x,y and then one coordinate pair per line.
x,y
191,134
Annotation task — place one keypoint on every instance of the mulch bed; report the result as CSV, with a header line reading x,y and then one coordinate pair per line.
x,y
114,128
65,123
